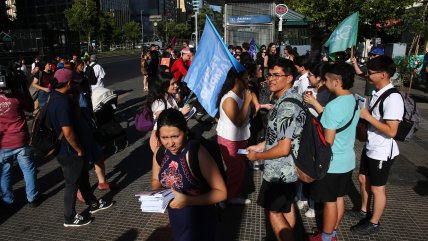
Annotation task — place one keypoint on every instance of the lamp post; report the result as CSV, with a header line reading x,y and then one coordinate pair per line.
x,y
196,5
142,28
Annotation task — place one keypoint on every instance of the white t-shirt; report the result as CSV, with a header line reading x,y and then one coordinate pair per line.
x,y
226,128
379,146
159,105
302,83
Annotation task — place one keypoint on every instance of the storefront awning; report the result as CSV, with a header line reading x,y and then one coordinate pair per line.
x,y
293,18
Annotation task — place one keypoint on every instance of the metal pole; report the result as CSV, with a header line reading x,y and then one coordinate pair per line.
x,y
142,28
89,32
196,30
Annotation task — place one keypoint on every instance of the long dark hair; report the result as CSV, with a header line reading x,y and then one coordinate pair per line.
x,y
231,78
161,86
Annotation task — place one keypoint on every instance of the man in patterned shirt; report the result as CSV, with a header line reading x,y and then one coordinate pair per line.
x,y
284,127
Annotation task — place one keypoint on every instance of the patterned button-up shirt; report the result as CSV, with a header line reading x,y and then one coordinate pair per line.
x,y
285,120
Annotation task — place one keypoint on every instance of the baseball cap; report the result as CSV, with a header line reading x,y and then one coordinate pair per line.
x,y
377,51
65,75
185,51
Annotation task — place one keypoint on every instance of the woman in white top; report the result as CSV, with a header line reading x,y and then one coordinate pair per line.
x,y
161,98
233,131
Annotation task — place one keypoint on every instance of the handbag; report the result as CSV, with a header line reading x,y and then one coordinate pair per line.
x,y
144,121
361,133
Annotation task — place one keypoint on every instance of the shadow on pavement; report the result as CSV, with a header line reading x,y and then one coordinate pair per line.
x,y
135,165
130,235
161,233
421,187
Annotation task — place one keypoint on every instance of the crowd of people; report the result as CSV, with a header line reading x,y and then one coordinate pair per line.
x,y
254,115
62,90
256,124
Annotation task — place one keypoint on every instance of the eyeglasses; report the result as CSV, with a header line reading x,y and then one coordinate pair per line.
x,y
237,52
275,76
372,73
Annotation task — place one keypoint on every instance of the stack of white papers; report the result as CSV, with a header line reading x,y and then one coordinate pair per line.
x,y
155,201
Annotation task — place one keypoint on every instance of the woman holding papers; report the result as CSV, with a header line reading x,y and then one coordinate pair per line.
x,y
161,97
192,212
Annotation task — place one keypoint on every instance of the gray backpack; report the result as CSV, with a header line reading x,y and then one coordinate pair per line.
x,y
411,117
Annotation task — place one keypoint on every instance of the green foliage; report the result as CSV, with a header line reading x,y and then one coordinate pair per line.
x,y
332,12
82,16
215,17
107,25
132,31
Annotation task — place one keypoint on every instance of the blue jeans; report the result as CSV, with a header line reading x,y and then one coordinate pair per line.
x,y
24,155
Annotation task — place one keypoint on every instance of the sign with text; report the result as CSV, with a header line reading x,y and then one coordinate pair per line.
x,y
155,18
259,19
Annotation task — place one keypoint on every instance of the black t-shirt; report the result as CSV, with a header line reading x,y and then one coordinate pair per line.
x,y
60,112
45,78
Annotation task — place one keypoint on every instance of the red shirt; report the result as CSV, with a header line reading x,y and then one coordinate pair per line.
x,y
13,126
179,69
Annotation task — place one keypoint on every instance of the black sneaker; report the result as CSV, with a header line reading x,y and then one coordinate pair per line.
x,y
78,221
36,202
356,214
365,228
100,205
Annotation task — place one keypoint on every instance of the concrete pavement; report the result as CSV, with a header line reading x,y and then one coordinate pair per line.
x,y
404,217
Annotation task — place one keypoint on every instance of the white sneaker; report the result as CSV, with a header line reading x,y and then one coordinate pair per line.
x,y
238,200
256,165
302,204
310,213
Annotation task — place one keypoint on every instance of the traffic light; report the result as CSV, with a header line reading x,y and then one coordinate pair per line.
x,y
196,5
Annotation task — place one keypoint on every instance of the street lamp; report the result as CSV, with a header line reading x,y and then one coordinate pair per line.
x,y
196,4
142,28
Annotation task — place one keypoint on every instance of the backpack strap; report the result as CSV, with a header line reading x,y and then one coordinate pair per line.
x,y
194,160
382,98
296,102
350,121
160,154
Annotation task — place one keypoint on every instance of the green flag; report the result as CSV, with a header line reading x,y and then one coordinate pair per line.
x,y
344,36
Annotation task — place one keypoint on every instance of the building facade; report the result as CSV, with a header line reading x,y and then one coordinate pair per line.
x,y
120,9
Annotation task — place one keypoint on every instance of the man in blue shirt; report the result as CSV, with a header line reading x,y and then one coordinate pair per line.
x,y
337,113
70,156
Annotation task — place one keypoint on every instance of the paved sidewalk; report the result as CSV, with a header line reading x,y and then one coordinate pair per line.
x,y
404,217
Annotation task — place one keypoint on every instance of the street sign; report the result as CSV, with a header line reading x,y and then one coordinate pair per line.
x,y
281,10
155,18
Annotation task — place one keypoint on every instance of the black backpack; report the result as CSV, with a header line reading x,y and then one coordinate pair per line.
x,y
411,116
44,140
212,148
90,74
314,154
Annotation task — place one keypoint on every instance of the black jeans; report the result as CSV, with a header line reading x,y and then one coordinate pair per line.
x,y
76,176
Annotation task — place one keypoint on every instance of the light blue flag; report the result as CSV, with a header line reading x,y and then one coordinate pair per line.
x,y
344,36
209,68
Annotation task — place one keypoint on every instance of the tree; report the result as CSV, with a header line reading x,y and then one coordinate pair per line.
x,y
215,17
179,30
372,12
106,30
132,31
82,17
